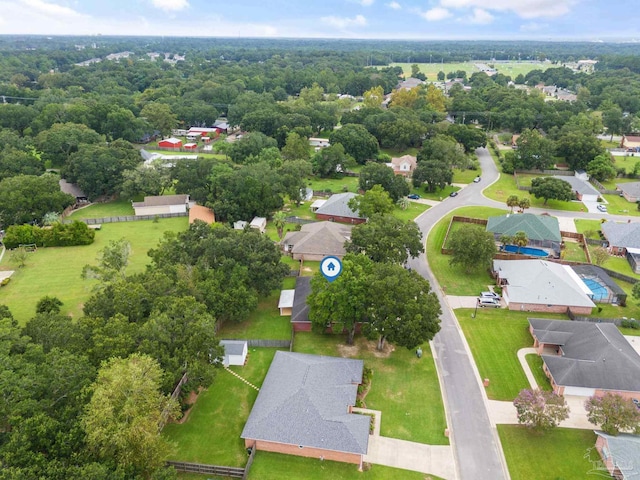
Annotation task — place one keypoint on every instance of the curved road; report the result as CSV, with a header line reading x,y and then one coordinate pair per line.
x,y
475,442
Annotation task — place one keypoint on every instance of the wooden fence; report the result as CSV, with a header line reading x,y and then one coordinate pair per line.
x,y
455,218
563,173
201,468
578,318
601,188
174,396
127,218
247,467
269,343
299,221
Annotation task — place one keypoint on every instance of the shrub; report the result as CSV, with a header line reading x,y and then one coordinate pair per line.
x,y
626,323
5,281
58,235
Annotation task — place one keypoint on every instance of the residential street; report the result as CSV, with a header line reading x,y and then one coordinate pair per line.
x,y
475,442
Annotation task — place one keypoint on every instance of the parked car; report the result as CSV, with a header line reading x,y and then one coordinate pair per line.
x,y
488,302
602,208
413,196
489,295
453,194
477,180
636,402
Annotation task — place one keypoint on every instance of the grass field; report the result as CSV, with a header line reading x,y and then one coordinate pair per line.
x,y
405,388
573,252
562,453
535,363
334,185
507,68
464,176
438,195
454,280
100,210
627,162
495,336
618,205
56,270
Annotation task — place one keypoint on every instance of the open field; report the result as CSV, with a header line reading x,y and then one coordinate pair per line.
x,y
454,280
56,270
562,453
334,185
507,68
405,388
628,162
100,210
495,336
438,195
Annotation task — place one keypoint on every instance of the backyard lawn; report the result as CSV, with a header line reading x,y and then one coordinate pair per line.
x,y
535,363
495,336
404,387
334,185
454,280
56,270
562,453
99,210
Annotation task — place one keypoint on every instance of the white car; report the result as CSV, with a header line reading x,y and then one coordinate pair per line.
x,y
477,180
602,208
489,295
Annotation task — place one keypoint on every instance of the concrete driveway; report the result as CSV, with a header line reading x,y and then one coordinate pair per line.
x,y
418,457
461,302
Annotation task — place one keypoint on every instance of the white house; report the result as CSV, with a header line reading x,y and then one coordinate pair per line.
x,y
235,352
162,204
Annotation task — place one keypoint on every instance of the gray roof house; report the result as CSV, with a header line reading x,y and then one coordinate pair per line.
x,y
300,310
315,241
591,357
622,235
304,408
630,191
336,209
542,286
409,83
582,188
620,454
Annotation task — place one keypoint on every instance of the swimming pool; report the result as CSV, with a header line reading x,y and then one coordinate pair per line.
x,y
600,292
537,252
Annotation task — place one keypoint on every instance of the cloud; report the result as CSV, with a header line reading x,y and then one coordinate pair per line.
x,y
394,5
533,27
435,14
522,8
365,3
344,22
51,10
481,16
170,5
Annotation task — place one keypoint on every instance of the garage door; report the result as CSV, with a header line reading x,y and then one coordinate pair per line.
x,y
580,391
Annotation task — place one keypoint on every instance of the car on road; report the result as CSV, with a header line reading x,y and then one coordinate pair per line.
x,y
413,196
453,194
489,295
477,180
488,302
602,208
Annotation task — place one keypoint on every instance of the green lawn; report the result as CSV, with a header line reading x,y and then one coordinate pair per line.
x,y
394,152
464,176
454,280
212,431
56,270
335,185
276,466
438,195
265,322
535,363
98,210
403,387
573,252
627,162
414,210
611,183
618,205
507,68
558,454
506,186
584,226
495,336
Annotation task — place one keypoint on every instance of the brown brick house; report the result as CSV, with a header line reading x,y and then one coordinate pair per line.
x,y
336,209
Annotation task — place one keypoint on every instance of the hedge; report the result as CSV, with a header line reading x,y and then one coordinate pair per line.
x,y
58,235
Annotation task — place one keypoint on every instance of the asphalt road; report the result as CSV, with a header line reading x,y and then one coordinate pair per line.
x,y
476,446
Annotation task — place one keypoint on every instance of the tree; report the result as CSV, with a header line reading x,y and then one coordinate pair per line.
x,y
378,174
331,161
613,413
373,97
551,188
374,201
145,180
121,419
250,145
441,76
28,198
505,239
601,168
534,151
357,142
48,304
62,139
524,203
293,175
279,221
19,256
436,174
472,247
17,162
444,149
540,410
436,99
578,146
469,136
612,119
296,147
112,262
160,117
385,238
512,201
600,255
520,239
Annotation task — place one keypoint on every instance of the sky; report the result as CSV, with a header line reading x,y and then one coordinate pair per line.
x,y
591,20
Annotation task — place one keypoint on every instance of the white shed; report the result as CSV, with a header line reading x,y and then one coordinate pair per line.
x,y
285,304
259,223
235,352
239,225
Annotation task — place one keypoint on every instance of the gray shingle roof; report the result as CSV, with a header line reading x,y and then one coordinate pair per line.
x,y
625,235
319,238
163,200
300,309
304,400
580,186
631,188
595,355
233,347
537,227
542,283
337,206
625,452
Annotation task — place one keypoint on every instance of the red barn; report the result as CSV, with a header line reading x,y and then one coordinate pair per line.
x,y
170,144
192,147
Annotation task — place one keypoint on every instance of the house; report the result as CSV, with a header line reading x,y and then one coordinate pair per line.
x,y
194,136
317,204
584,191
204,214
319,142
170,144
73,190
198,132
404,165
300,310
630,191
542,286
240,225
221,126
630,142
585,358
162,205
336,209
409,84
316,240
304,408
285,303
259,223
235,352
624,239
620,454
541,230
190,147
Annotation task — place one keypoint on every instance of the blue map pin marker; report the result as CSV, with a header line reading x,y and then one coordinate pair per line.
x,y
331,268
